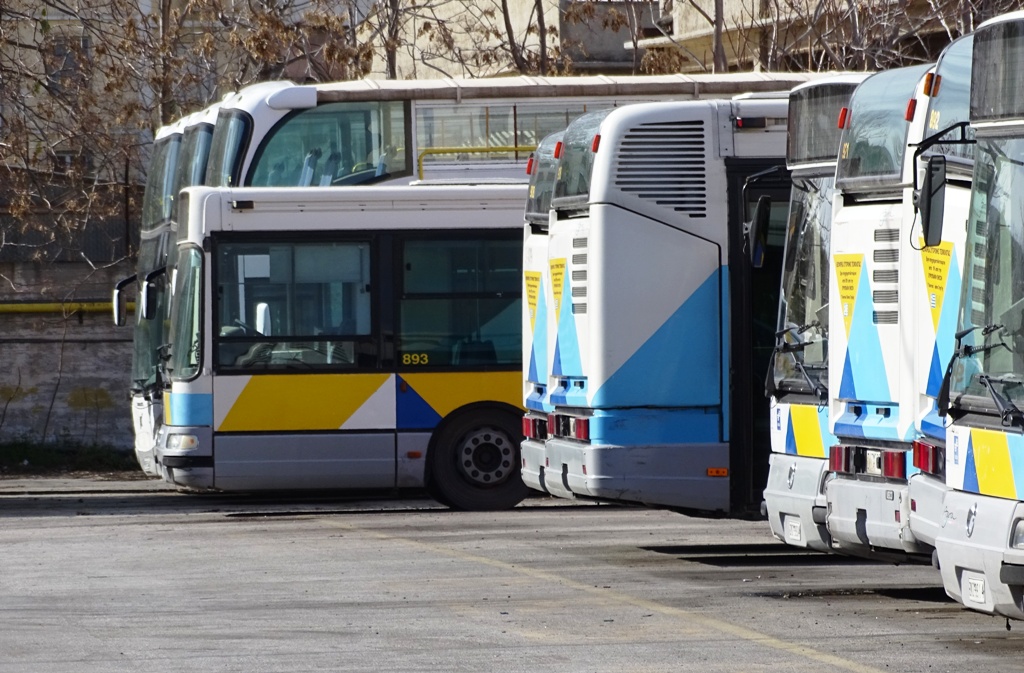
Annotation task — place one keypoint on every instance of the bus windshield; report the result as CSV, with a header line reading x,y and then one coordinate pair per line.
x,y
542,180
813,134
994,277
334,144
949,102
186,316
875,141
227,149
805,280
157,200
195,155
577,159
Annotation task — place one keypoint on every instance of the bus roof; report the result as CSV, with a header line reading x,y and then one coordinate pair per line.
x,y
286,95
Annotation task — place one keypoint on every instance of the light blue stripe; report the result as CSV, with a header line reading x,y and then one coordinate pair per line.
x,y
190,409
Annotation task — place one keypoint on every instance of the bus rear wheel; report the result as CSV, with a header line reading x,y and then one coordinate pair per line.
x,y
475,462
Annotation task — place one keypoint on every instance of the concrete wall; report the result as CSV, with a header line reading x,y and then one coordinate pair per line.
x,y
65,374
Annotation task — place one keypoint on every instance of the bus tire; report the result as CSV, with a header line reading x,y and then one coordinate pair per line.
x,y
474,462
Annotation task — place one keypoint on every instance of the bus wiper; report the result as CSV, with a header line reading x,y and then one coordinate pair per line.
x,y
819,389
1009,414
963,351
783,346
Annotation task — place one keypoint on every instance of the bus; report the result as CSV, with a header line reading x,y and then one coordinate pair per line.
x,y
662,323
797,381
280,134
980,550
538,331
889,286
359,339
180,152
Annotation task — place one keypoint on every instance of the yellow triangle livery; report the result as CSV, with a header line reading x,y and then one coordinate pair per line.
x,y
848,269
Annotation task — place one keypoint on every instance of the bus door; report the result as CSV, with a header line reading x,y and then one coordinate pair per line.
x,y
754,298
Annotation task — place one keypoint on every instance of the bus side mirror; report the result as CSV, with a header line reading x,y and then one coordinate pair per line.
x,y
757,230
119,302
148,294
931,200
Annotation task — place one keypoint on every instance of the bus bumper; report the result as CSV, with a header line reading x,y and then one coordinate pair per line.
x,y
184,456
147,414
871,519
979,568
796,502
927,507
683,476
533,471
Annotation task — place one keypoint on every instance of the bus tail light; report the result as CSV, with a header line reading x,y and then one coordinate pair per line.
x,y
530,164
844,117
552,426
558,150
929,458
911,109
535,428
581,428
596,143
751,122
894,464
839,458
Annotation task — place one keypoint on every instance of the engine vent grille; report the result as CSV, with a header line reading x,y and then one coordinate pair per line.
x,y
665,163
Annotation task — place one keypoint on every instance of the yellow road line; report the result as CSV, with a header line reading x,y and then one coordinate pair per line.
x,y
701,620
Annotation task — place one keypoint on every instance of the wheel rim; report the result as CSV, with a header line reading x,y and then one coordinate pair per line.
x,y
485,456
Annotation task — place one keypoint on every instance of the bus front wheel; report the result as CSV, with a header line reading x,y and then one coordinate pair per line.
x,y
475,462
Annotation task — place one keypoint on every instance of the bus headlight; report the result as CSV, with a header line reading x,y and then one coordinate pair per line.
x,y
182,442
1017,539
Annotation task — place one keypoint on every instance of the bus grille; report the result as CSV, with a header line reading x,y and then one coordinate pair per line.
x,y
665,163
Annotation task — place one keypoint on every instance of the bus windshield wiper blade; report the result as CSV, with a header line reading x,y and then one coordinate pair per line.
x,y
1009,413
783,346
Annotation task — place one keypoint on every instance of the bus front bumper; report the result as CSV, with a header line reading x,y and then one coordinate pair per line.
x,y
184,456
795,502
979,567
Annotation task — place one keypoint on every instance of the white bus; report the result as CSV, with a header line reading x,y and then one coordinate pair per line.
x,y
797,382
663,326
180,153
364,338
980,550
889,288
378,131
538,330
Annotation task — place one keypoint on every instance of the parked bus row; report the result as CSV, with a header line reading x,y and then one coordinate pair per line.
x,y
388,358
687,247
651,316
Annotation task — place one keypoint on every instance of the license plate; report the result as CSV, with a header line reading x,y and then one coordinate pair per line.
x,y
976,589
793,530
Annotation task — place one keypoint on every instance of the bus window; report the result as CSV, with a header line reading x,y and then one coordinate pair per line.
x,y
334,144
460,303
287,303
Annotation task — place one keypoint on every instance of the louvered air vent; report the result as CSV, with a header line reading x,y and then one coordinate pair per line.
x,y
886,317
885,296
887,255
886,235
886,275
664,163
